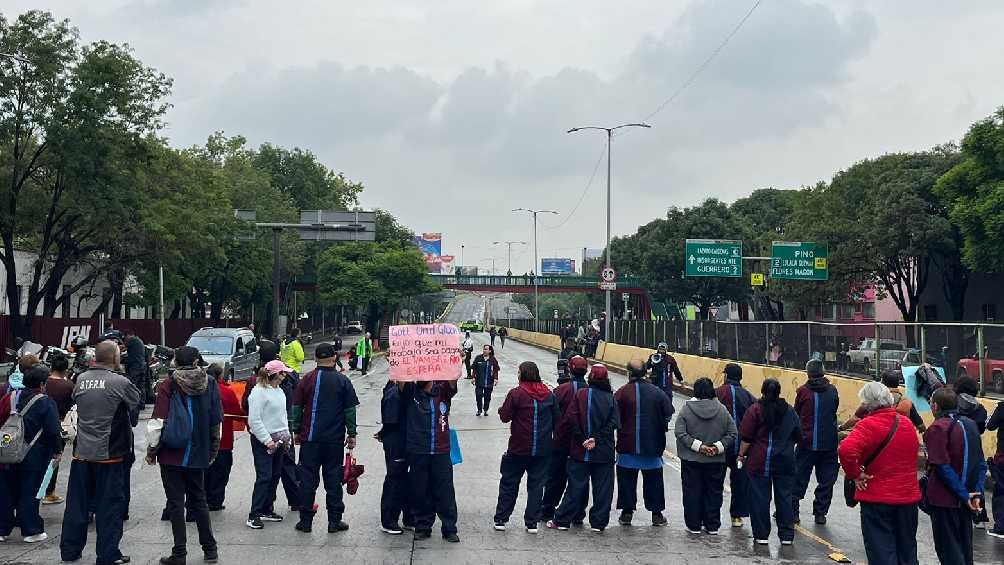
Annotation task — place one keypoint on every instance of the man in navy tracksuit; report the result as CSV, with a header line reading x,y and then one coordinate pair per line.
x,y
485,373
664,369
394,498
591,421
736,399
324,420
645,412
557,475
430,470
531,410
816,403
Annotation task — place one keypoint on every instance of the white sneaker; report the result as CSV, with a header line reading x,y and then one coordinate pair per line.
x,y
992,533
762,542
712,532
499,527
695,532
787,542
3,539
36,538
531,530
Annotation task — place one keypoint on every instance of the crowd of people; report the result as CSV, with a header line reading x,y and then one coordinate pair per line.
x,y
581,441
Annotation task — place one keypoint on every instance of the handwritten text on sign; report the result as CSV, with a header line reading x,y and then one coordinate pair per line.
x,y
427,352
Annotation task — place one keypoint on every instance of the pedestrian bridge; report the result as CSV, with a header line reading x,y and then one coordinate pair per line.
x,y
525,284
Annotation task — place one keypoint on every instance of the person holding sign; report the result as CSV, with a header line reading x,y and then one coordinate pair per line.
x,y
485,373
430,469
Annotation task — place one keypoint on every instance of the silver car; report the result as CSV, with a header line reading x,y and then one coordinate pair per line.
x,y
234,348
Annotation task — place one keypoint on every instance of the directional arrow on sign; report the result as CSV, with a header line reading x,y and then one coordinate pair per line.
x,y
691,259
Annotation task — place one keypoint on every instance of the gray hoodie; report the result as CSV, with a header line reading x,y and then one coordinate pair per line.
x,y
703,422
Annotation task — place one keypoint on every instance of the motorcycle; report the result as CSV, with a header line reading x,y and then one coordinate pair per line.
x,y
158,368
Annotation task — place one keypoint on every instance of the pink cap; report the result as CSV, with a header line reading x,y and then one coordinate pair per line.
x,y
276,366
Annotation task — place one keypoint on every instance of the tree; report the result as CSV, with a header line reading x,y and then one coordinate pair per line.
x,y
74,123
307,183
973,191
376,276
883,224
656,255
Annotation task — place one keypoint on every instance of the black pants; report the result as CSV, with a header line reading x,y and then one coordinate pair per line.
x,y
580,475
290,477
483,397
953,535
467,364
502,341
557,479
430,480
512,468
703,484
102,484
739,484
18,505
127,462
319,460
652,487
217,477
365,364
138,378
51,489
185,486
782,485
826,465
997,472
394,502
267,470
890,533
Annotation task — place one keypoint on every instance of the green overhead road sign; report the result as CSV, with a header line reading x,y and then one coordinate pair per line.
x,y
714,258
799,260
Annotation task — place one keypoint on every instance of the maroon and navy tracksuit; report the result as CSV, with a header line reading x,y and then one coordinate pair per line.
x,y
664,372
427,443
394,497
557,473
645,411
591,414
770,465
736,400
816,404
532,412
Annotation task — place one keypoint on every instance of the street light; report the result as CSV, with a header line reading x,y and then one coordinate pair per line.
x,y
509,244
536,293
610,135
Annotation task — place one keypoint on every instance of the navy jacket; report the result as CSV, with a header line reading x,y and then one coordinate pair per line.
x,y
816,404
592,414
393,418
737,400
41,417
485,371
428,422
320,400
531,418
663,372
645,411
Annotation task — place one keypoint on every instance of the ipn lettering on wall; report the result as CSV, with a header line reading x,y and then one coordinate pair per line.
x,y
424,352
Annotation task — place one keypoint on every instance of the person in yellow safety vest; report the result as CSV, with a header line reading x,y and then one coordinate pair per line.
x,y
291,352
364,350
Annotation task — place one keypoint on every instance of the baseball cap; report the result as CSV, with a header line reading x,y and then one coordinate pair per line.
x,y
325,351
276,366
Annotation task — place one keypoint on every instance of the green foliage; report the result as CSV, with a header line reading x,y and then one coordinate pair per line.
x,y
974,193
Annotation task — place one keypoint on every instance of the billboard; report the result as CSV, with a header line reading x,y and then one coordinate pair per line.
x,y
431,246
446,264
557,266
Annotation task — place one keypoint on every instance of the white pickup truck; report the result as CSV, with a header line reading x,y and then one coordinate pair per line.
x,y
866,355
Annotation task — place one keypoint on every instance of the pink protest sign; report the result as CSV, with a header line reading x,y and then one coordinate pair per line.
x,y
426,352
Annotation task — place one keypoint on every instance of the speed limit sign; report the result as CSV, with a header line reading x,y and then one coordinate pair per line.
x,y
608,274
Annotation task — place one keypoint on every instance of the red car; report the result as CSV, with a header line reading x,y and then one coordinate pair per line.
x,y
993,371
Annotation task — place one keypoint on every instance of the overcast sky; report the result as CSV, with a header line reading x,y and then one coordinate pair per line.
x,y
453,112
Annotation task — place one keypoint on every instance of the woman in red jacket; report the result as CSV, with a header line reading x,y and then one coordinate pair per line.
x,y
887,487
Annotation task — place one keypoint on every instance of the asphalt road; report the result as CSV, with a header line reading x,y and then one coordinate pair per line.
x,y
483,441
468,306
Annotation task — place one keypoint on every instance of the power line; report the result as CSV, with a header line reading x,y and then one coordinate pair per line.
x,y
582,196
705,64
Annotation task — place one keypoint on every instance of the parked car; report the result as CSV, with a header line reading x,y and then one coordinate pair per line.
x,y
354,327
235,348
865,356
993,370
472,326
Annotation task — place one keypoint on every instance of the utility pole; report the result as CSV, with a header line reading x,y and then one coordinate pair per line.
x,y
509,244
536,290
610,132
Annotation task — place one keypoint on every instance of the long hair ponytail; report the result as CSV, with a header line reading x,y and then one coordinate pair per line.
x,y
774,407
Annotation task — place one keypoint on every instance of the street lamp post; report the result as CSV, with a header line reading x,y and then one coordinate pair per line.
x,y
610,135
536,293
509,244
